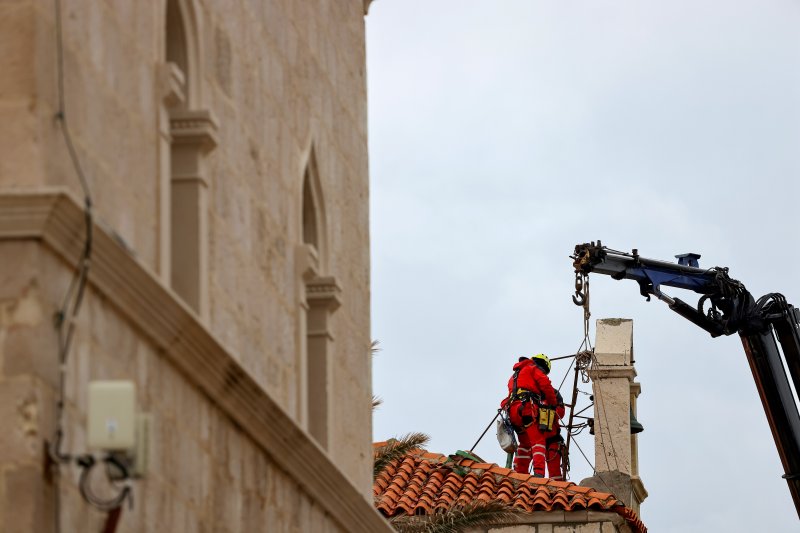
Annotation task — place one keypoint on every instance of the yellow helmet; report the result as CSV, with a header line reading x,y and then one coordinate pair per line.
x,y
543,361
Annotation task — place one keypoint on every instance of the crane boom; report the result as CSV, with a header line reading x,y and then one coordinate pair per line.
x,y
768,327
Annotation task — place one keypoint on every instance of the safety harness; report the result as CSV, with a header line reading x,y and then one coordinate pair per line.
x,y
547,415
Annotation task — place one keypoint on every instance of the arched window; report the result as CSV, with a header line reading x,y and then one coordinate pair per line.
x,y
176,38
320,300
188,133
310,231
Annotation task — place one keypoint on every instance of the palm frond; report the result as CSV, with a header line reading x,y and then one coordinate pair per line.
x,y
396,449
374,347
458,518
376,401
409,524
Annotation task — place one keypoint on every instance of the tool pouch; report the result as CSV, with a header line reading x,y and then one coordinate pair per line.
x,y
546,418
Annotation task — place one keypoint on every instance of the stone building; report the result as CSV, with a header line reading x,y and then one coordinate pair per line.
x,y
423,484
223,147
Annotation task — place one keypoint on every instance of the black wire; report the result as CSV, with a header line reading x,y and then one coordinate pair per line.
x,y
61,114
566,374
75,292
485,430
594,470
87,463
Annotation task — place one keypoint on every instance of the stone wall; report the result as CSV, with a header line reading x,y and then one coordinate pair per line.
x,y
563,522
283,86
282,79
207,471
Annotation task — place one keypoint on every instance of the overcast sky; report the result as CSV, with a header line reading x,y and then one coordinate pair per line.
x,y
502,133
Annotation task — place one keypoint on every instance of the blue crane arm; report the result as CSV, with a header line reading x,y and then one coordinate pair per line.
x,y
769,329
649,273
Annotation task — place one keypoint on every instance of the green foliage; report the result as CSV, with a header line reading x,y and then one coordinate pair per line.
x,y
396,449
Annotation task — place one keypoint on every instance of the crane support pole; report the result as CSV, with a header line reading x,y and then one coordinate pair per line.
x,y
779,405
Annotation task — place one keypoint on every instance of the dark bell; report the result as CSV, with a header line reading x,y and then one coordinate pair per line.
x,y
636,427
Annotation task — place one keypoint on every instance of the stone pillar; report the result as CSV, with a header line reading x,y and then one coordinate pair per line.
x,y
322,299
612,374
193,136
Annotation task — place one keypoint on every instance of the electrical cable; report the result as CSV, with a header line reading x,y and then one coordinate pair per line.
x,y
594,470
87,463
67,313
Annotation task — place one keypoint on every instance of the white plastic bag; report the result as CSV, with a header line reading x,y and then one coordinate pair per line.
x,y
506,437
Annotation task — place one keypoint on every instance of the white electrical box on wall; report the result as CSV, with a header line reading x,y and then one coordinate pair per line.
x,y
112,415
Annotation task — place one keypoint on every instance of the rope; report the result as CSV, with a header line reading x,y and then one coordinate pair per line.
x,y
584,359
485,430
599,475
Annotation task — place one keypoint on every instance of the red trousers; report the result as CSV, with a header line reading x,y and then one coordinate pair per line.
x,y
554,459
531,438
531,448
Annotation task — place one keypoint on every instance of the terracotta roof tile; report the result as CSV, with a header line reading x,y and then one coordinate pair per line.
x,y
423,483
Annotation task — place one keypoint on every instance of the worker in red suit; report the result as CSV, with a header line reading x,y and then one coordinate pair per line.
x,y
531,400
554,442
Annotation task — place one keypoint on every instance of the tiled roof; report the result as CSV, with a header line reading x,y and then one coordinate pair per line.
x,y
423,483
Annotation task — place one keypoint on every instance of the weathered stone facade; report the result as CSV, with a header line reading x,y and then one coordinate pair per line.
x,y
225,148
565,522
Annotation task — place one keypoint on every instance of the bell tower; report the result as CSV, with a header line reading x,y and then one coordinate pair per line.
x,y
615,426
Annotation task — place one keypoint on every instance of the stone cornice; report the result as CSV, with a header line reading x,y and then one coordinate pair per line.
x,y
56,219
194,127
638,489
323,292
598,371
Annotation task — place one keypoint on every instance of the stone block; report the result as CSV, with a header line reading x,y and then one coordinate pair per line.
x,y
25,415
609,527
614,342
20,151
159,506
18,270
25,311
31,350
18,42
24,507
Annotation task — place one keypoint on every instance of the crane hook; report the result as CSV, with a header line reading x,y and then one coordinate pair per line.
x,y
579,299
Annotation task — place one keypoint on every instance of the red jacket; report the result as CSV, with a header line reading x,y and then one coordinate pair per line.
x,y
531,378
